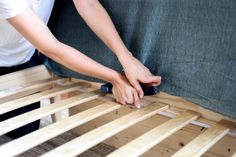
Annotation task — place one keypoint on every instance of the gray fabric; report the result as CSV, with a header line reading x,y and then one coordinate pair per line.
x,y
190,43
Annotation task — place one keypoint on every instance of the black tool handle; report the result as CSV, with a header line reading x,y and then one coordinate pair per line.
x,y
107,88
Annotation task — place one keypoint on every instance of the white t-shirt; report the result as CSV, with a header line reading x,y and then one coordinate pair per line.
x,y
14,48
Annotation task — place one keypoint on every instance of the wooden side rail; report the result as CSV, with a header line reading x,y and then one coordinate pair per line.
x,y
84,95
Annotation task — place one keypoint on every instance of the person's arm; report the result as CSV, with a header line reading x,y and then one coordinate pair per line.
x,y
36,32
100,22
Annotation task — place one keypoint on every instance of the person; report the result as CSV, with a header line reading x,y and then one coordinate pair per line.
x,y
23,29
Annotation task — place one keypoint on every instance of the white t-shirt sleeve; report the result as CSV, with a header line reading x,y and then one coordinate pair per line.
x,y
11,8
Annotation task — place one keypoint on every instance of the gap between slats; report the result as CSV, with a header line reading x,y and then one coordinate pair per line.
x,y
33,139
28,89
18,121
203,142
18,103
146,141
90,139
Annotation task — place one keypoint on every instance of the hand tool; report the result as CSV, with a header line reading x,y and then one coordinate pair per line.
x,y
152,90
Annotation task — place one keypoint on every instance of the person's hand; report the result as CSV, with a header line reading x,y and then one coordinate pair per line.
x,y
124,93
137,73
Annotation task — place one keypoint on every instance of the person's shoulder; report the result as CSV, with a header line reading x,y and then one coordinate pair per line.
x,y
11,8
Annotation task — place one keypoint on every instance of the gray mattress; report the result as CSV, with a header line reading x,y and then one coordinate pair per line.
x,y
191,44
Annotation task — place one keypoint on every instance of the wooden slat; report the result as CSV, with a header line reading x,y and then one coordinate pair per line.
x,y
95,136
33,139
23,119
178,104
234,155
36,73
15,104
203,142
145,142
28,89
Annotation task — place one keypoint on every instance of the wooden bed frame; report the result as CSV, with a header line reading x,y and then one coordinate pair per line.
x,y
165,126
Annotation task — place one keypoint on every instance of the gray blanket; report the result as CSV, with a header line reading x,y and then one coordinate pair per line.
x,y
190,43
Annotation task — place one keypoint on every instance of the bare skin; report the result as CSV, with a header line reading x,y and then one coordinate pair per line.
x,y
125,89
100,22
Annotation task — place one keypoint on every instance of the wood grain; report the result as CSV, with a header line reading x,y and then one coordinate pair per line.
x,y
15,104
23,119
33,139
146,141
97,135
203,142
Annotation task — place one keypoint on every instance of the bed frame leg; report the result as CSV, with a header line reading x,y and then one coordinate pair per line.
x,y
61,114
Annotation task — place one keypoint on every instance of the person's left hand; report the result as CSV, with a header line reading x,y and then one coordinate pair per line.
x,y
137,73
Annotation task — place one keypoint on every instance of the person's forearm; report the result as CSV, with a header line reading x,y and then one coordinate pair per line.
x,y
100,22
27,22
79,62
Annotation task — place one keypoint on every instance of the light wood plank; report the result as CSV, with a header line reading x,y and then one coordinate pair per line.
x,y
203,142
145,142
96,136
36,73
33,139
23,119
15,104
179,103
225,147
28,89
234,155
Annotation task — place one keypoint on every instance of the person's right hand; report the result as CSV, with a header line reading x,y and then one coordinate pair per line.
x,y
137,73
124,93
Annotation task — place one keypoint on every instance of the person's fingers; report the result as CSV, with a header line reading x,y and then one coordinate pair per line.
x,y
129,99
129,96
155,84
152,84
121,97
137,86
121,101
147,71
136,99
118,97
152,79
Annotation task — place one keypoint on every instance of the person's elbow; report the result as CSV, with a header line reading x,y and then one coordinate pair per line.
x,y
50,49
